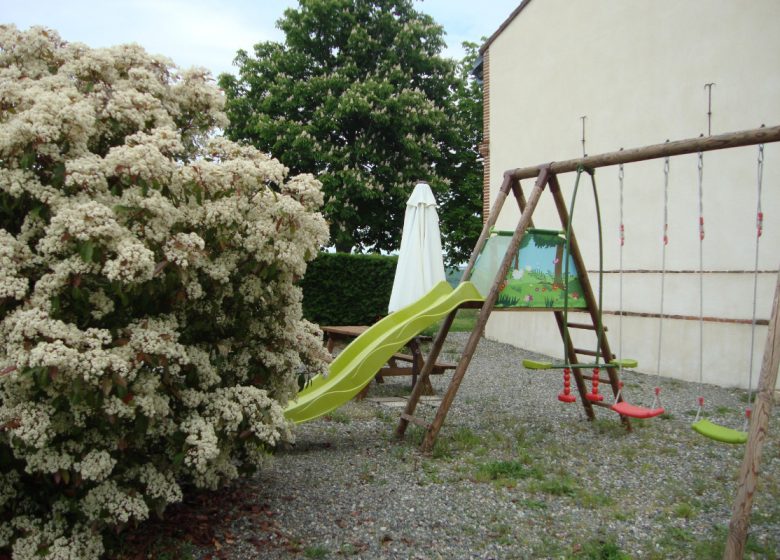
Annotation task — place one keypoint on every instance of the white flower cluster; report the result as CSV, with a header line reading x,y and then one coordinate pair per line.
x,y
96,465
150,321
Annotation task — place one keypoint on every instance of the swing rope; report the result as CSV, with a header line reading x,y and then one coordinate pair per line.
x,y
620,406
700,398
622,234
759,231
702,425
657,399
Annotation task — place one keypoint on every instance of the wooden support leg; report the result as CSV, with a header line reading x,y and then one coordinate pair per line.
x,y
748,473
484,314
417,391
417,365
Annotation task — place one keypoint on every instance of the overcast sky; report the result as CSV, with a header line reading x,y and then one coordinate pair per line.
x,y
209,32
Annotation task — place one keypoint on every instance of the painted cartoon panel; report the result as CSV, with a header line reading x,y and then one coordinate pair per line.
x,y
537,277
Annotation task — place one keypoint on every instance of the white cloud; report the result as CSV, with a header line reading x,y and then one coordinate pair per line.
x,y
192,33
210,32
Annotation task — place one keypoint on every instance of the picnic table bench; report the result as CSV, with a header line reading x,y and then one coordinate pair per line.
x,y
396,365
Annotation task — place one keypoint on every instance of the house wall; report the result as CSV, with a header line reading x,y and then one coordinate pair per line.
x,y
636,70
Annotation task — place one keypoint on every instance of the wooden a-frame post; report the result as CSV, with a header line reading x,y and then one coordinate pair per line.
x,y
748,473
432,429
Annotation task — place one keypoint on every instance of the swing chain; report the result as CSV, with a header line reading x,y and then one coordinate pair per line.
x,y
759,213
621,175
666,200
701,205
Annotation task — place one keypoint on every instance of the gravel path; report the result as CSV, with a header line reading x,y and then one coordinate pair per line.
x,y
515,474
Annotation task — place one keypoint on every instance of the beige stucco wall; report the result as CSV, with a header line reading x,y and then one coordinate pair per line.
x,y
637,69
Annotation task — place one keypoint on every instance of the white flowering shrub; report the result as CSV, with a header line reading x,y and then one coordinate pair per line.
x,y
150,323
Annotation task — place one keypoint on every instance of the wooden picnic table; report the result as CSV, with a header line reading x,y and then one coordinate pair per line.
x,y
398,364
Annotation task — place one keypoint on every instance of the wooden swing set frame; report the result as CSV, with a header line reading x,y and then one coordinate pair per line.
x,y
546,176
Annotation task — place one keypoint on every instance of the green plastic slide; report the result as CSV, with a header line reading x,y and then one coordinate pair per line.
x,y
359,362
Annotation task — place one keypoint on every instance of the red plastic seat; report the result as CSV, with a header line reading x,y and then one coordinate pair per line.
x,y
625,409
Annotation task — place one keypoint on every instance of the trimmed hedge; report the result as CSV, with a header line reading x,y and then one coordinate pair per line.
x,y
347,289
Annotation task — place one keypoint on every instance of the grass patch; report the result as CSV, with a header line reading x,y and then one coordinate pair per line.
x,y
683,510
505,473
338,416
532,504
610,427
464,439
563,485
600,549
316,551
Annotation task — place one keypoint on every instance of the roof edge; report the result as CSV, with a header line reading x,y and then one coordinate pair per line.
x,y
504,25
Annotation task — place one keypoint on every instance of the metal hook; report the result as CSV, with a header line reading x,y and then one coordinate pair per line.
x,y
708,87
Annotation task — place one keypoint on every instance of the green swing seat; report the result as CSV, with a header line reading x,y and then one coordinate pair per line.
x,y
719,433
534,364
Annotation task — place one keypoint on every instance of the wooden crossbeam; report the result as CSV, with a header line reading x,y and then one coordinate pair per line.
x,y
679,147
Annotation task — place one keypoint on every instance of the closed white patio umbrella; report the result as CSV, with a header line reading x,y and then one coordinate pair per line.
x,y
420,263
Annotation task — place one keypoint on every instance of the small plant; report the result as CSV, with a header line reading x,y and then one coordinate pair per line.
x,y
315,551
505,473
600,549
367,474
501,533
464,439
532,504
338,416
441,449
562,485
683,510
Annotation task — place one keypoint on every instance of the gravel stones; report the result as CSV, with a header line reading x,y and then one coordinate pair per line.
x,y
563,487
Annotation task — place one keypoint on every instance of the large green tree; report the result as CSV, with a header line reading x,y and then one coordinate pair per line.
x,y
360,95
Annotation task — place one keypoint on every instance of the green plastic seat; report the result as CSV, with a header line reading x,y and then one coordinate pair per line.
x,y
533,364
625,362
719,433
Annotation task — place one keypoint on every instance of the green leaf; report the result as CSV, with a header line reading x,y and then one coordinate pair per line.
x,y
27,160
58,175
86,250
36,210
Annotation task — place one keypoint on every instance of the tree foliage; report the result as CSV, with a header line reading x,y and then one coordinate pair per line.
x,y
360,95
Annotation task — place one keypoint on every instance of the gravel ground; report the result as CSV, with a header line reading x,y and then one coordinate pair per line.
x,y
515,474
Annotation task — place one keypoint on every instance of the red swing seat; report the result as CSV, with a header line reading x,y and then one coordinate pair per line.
x,y
625,409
